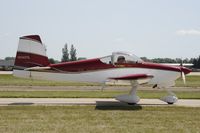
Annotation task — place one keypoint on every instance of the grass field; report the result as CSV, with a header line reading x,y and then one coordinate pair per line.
x,y
9,80
191,81
94,94
91,119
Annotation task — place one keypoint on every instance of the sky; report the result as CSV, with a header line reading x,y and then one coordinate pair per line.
x,y
150,28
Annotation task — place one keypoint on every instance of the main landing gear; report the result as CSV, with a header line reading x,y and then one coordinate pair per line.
x,y
130,98
133,99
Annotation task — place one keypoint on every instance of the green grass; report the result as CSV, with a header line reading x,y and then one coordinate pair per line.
x,y
91,119
94,94
10,80
191,81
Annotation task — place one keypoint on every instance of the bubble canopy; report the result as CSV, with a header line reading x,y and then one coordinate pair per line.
x,y
121,58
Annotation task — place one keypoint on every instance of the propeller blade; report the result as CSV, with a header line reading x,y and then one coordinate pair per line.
x,y
182,73
183,77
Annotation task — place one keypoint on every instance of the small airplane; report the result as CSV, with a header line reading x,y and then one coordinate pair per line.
x,y
32,62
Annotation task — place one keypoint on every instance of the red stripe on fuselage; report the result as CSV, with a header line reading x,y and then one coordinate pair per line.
x,y
96,64
154,66
159,67
82,65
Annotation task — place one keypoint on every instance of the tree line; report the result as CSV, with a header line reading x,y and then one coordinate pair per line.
x,y
195,61
67,55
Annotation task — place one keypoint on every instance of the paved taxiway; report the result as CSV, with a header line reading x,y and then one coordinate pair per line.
x,y
6,72
91,101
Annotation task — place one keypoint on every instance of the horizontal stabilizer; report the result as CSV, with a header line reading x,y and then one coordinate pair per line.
x,y
37,68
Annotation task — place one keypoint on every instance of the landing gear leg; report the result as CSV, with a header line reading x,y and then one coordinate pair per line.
x,y
130,98
103,86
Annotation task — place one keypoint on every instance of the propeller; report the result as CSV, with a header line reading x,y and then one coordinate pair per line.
x,y
182,73
183,77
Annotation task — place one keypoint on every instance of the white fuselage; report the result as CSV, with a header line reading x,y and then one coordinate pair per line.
x,y
163,78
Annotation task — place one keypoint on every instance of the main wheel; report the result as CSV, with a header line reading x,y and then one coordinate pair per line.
x,y
132,103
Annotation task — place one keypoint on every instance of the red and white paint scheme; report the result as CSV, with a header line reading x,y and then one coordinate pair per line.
x,y
32,62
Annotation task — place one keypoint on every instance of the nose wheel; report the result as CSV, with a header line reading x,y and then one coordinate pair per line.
x,y
170,99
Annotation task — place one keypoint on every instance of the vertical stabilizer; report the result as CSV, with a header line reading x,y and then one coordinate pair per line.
x,y
30,53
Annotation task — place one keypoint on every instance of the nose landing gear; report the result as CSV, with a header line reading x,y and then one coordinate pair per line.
x,y
171,98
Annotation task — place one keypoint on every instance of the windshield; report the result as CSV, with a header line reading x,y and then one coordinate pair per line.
x,y
121,57
135,58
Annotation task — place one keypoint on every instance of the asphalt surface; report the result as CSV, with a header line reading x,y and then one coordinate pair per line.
x,y
92,101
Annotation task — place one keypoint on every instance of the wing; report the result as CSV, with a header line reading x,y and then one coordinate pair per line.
x,y
141,78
